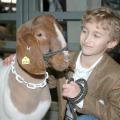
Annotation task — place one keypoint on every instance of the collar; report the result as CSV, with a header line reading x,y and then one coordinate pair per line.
x,y
78,64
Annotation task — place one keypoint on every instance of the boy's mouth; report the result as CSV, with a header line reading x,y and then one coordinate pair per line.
x,y
87,46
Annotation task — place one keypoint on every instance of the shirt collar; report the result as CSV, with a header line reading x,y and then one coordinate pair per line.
x,y
78,65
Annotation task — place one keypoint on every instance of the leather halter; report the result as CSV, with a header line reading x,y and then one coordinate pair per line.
x,y
50,54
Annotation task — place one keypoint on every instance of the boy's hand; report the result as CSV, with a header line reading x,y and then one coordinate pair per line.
x,y
8,60
71,90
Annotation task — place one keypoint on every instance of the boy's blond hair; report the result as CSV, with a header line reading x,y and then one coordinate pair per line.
x,y
107,19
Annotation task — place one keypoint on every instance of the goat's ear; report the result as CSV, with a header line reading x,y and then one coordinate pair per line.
x,y
29,56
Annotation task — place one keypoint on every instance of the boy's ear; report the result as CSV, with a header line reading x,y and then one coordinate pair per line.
x,y
112,44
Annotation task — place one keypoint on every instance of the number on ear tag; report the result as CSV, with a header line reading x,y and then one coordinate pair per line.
x,y
25,60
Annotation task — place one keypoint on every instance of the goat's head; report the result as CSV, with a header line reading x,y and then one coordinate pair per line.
x,y
38,40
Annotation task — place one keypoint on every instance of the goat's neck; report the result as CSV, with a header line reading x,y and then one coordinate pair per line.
x,y
25,99
27,77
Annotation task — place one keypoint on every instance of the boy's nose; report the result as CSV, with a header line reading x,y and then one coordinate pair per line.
x,y
88,39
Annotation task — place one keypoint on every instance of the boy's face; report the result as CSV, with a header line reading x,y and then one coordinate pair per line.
x,y
94,39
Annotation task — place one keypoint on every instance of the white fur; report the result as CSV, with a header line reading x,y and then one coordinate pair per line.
x,y
63,42
60,37
7,108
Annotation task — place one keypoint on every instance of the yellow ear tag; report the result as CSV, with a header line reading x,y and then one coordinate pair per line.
x,y
25,60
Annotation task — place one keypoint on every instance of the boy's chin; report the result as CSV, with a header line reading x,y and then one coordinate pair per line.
x,y
87,53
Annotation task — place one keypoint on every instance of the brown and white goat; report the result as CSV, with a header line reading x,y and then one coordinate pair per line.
x,y
24,93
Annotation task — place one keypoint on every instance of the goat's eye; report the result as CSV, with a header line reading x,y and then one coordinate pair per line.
x,y
39,35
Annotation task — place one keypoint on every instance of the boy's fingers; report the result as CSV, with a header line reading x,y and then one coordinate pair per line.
x,y
8,60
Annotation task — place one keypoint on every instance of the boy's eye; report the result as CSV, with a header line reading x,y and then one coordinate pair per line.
x,y
96,35
84,30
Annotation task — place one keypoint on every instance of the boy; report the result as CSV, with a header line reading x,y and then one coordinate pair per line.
x,y
100,33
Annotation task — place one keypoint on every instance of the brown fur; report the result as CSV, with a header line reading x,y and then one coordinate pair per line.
x,y
34,39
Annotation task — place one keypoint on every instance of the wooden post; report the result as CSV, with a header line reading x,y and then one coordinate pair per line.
x,y
61,101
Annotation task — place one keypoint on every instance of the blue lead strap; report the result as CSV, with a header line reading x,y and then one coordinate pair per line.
x,y
83,92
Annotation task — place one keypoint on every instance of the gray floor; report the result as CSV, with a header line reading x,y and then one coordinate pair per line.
x,y
51,115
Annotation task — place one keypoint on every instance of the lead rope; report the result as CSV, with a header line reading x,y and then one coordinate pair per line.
x,y
83,92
